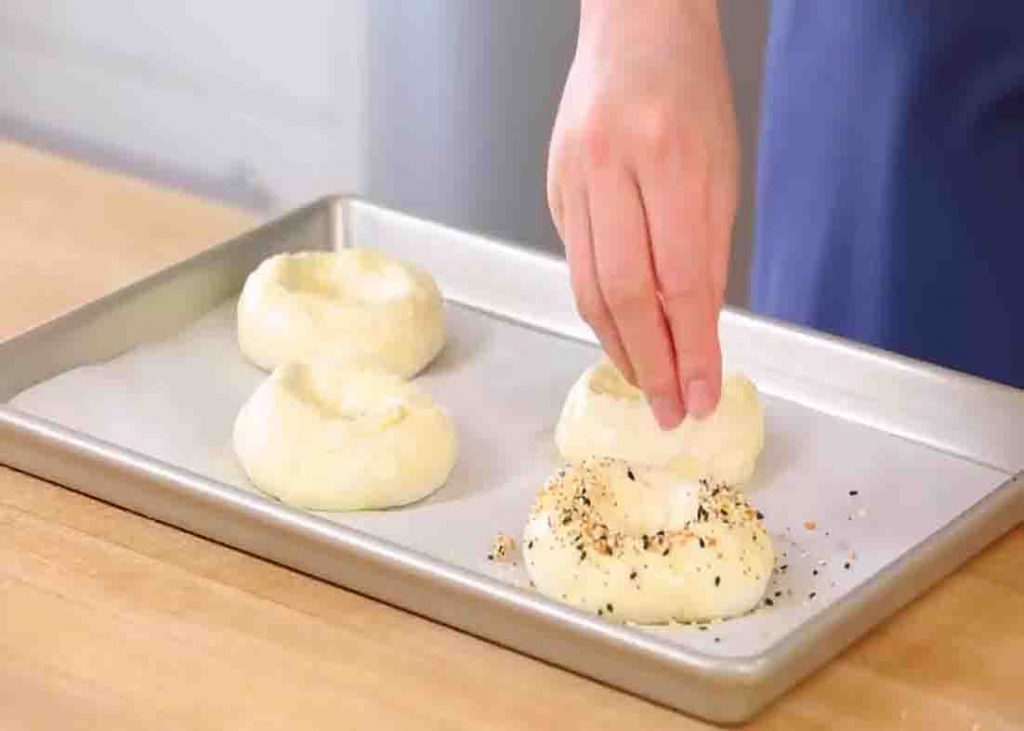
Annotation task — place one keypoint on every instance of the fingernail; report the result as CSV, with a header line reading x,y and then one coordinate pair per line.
x,y
700,400
667,412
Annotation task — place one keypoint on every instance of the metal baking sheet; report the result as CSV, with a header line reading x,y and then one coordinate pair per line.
x,y
905,470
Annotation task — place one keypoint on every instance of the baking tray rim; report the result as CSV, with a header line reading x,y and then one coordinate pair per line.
x,y
743,668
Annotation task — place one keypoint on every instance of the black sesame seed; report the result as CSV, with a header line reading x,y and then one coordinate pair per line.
x,y
760,515
812,595
665,552
609,607
846,565
629,474
815,572
778,593
702,627
700,541
769,602
853,493
718,639
646,541
530,544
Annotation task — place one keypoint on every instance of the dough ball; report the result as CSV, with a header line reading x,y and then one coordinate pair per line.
x,y
643,545
322,438
605,416
352,307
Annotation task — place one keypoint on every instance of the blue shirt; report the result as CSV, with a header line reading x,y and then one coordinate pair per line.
x,y
891,177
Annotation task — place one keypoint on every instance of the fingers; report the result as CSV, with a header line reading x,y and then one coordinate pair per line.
x,y
687,254
626,277
576,233
722,214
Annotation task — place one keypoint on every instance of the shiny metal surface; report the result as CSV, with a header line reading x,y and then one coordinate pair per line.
x,y
951,419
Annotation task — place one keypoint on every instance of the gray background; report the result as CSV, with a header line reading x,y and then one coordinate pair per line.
x,y
439,107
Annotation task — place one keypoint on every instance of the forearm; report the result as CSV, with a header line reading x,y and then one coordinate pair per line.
x,y
698,11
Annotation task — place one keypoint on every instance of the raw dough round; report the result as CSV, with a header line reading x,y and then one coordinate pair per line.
x,y
329,439
352,307
641,544
605,416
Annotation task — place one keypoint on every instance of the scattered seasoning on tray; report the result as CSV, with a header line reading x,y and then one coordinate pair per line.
x,y
846,565
854,493
814,572
812,595
502,549
718,639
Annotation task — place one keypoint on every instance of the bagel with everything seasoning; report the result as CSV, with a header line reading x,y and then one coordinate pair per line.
x,y
641,544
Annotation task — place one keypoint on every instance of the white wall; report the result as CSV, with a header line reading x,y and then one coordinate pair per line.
x,y
257,103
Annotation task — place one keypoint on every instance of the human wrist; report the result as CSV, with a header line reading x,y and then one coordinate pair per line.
x,y
702,10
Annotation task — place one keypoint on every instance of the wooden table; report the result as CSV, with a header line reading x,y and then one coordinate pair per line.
x,y
112,621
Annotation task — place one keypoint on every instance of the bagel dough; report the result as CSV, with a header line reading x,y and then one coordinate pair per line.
x,y
327,439
353,307
643,545
606,416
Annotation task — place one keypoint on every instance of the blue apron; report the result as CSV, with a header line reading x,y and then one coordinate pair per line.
x,y
891,177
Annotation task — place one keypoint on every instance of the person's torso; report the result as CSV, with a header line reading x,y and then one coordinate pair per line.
x,y
891,177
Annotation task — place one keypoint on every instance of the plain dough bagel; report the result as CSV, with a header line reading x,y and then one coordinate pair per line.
x,y
352,307
329,439
644,545
605,416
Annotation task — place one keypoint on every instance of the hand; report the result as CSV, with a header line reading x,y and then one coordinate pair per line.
x,y
642,186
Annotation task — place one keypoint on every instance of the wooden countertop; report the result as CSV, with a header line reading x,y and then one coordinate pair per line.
x,y
109,620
